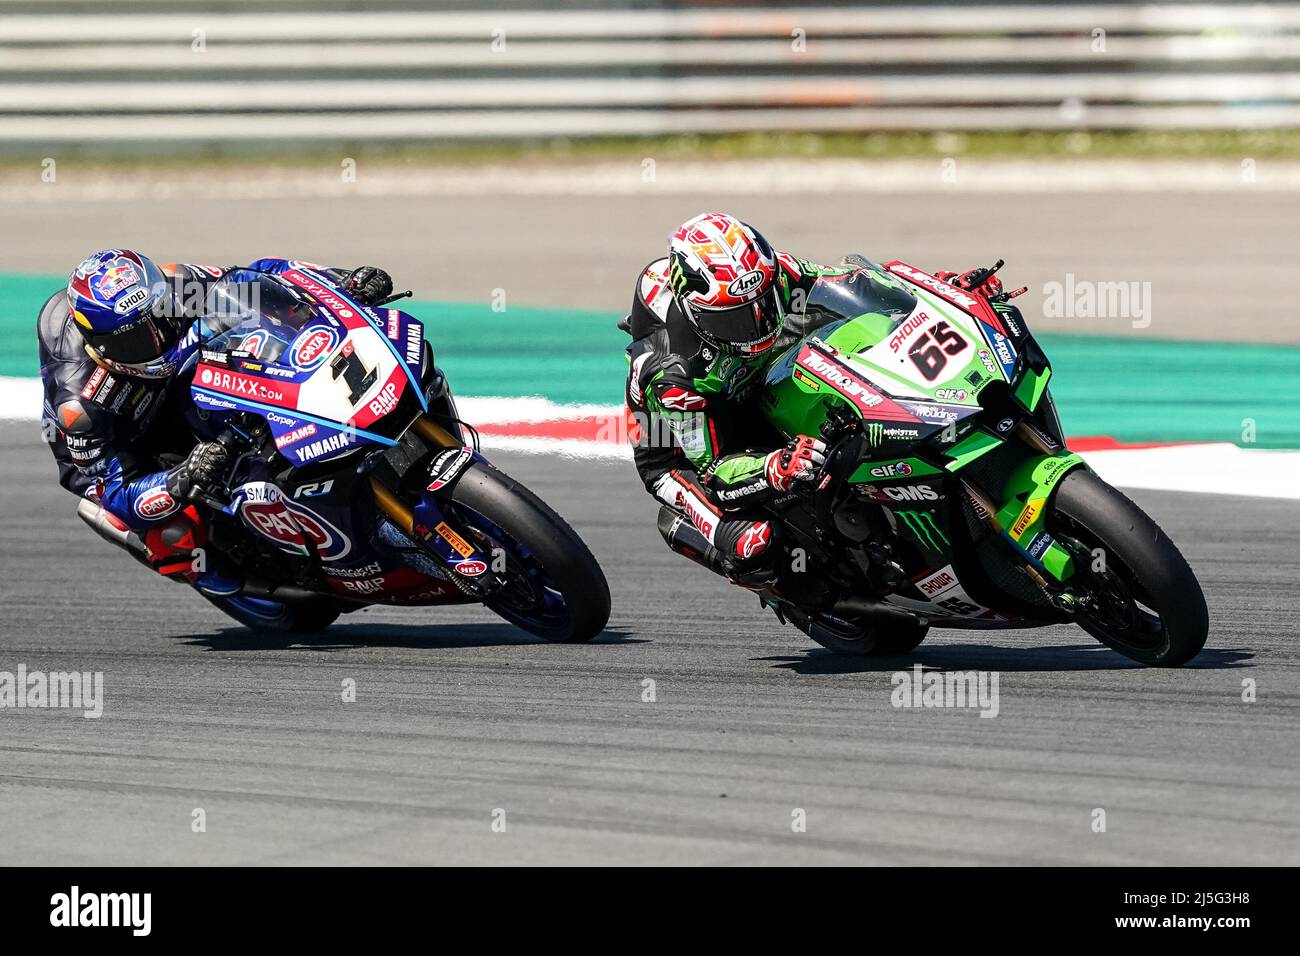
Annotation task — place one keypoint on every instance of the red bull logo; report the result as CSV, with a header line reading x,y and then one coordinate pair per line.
x,y
118,275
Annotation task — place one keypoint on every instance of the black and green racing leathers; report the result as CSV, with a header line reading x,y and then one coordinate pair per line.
x,y
700,444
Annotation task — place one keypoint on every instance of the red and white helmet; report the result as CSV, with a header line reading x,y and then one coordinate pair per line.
x,y
724,275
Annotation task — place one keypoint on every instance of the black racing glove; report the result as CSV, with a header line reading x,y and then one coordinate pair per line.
x,y
369,284
204,468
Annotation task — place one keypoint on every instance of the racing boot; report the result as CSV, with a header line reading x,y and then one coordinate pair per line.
x,y
684,538
178,550
804,589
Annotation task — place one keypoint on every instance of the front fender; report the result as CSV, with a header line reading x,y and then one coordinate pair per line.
x,y
1026,496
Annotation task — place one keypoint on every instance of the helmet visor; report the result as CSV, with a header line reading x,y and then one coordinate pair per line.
x,y
749,327
140,343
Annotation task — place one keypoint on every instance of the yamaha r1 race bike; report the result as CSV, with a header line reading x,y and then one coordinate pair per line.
x,y
949,498
354,481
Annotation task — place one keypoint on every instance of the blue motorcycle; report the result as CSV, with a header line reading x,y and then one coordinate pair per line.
x,y
354,481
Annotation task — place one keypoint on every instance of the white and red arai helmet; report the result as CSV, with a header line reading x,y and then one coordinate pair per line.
x,y
724,275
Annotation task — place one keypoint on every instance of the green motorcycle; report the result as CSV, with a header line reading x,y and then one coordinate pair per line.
x,y
949,498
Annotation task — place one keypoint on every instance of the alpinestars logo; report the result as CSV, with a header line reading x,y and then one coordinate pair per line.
x,y
754,540
681,400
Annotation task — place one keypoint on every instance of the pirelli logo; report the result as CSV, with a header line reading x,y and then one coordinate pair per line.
x,y
459,544
1026,518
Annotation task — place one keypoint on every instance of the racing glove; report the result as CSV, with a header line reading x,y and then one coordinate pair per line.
x,y
800,460
204,468
369,284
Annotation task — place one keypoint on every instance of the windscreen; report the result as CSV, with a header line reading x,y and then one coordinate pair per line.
x,y
244,302
845,297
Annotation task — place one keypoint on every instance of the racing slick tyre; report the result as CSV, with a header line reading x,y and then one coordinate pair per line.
x,y
1136,592
552,585
897,638
854,637
264,615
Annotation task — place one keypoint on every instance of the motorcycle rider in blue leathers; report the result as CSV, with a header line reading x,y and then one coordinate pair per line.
x,y
110,347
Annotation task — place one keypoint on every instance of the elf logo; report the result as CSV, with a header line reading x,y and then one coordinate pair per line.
x,y
912,493
901,468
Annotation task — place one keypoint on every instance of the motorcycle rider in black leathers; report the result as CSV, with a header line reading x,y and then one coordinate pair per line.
x,y
110,346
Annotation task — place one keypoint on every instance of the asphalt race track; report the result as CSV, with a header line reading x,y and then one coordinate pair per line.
x,y
457,716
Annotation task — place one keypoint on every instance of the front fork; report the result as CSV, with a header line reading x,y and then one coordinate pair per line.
x,y
465,563
1021,521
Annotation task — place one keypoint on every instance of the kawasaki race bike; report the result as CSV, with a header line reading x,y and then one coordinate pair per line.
x,y
354,480
949,498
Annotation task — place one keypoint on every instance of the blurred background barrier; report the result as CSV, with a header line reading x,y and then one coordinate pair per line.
x,y
140,73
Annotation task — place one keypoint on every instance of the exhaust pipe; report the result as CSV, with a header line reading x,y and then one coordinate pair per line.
x,y
109,527
871,608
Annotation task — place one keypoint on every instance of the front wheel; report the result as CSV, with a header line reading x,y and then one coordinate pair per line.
x,y
1133,589
552,586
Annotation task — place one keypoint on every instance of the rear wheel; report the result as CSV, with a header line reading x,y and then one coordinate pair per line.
x,y
552,586
264,615
856,637
898,638
1134,590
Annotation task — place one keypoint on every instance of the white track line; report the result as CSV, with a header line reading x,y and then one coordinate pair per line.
x,y
1205,468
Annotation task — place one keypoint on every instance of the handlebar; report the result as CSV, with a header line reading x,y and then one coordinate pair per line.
x,y
394,297
977,277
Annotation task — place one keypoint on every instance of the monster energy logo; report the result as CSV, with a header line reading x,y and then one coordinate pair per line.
x,y
676,277
875,433
922,526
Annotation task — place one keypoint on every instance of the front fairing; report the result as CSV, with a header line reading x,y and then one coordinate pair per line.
x,y
911,356
326,374
936,379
